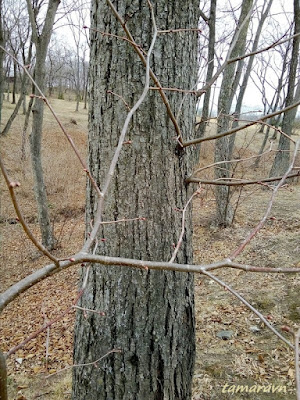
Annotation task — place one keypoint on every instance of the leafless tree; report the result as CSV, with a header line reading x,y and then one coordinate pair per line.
x,y
138,204
41,38
282,158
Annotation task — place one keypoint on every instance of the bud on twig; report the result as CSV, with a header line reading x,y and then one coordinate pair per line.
x,y
14,184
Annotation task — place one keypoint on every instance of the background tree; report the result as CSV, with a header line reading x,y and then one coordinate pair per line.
x,y
18,30
41,40
282,158
223,149
211,21
77,20
149,315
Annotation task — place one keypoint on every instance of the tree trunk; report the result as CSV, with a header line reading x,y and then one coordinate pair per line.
x,y
22,98
36,159
14,89
282,159
149,315
41,41
3,377
242,91
223,147
210,67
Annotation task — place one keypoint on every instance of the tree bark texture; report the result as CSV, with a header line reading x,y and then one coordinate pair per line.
x,y
282,159
41,43
223,147
149,316
210,67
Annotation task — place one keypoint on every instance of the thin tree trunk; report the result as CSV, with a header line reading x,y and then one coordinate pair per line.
x,y
148,315
41,42
14,89
3,377
243,87
210,67
224,210
25,127
282,158
21,99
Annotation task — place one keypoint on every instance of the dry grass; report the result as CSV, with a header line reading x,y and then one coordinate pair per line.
x,y
65,183
247,358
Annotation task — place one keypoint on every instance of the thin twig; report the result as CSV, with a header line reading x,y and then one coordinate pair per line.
x,y
239,128
152,75
183,225
233,161
43,328
270,205
110,173
68,137
94,363
11,187
240,182
248,305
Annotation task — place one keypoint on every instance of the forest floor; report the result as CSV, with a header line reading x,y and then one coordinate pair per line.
x,y
251,356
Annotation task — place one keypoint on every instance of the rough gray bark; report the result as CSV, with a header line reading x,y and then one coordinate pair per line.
x,y
282,158
224,212
41,41
148,315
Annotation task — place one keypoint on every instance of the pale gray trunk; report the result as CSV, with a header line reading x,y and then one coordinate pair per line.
x,y
223,148
22,97
210,67
282,158
246,77
25,127
78,94
41,41
148,315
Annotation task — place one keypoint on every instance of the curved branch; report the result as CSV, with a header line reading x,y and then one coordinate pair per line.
x,y
239,128
11,187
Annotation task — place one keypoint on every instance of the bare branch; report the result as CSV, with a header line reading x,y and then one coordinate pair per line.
x,y
68,137
248,305
11,187
153,76
183,226
239,182
270,205
82,257
43,328
239,128
115,159
94,363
